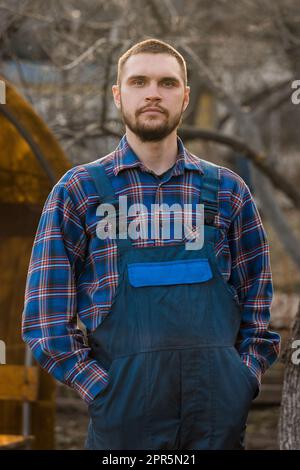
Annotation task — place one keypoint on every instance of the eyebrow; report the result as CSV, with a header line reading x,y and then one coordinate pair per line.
x,y
135,77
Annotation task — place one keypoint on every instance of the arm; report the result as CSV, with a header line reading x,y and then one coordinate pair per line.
x,y
50,312
251,276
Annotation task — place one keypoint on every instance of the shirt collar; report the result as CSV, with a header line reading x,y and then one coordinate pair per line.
x,y
125,158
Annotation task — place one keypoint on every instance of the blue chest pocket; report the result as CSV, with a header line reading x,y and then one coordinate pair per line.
x,y
161,273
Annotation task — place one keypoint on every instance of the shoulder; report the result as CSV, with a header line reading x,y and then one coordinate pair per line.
x,y
77,180
79,174
76,186
233,190
228,178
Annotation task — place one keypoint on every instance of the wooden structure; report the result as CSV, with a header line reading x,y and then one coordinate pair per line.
x,y
31,161
19,383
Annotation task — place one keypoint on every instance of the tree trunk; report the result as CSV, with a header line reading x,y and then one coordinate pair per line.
x,y
289,421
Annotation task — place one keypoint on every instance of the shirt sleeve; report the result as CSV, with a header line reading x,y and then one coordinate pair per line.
x,y
49,319
251,276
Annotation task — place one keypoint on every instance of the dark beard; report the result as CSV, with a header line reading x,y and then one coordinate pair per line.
x,y
147,134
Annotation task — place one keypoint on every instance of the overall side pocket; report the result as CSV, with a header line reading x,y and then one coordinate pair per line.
x,y
252,380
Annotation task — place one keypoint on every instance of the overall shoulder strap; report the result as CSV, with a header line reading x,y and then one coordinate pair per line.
x,y
210,189
102,182
107,194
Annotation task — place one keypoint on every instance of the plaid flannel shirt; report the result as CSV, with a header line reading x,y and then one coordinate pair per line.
x,y
69,276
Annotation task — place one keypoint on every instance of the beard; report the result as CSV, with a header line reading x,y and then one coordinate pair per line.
x,y
152,130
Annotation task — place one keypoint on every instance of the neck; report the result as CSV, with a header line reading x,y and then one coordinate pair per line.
x,y
157,156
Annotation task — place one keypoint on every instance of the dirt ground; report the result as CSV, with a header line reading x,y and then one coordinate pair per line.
x,y
262,428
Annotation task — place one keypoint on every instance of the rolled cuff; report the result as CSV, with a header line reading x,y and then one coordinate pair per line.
x,y
89,380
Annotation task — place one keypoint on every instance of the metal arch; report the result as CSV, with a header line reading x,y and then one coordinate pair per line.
x,y
32,144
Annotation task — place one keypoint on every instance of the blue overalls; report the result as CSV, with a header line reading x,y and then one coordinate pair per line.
x,y
176,380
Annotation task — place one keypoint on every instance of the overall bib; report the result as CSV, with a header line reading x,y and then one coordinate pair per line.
x,y
176,380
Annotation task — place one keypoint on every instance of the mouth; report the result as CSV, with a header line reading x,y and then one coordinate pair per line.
x,y
152,110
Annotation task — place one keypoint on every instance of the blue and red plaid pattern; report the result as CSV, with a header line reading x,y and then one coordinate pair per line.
x,y
72,272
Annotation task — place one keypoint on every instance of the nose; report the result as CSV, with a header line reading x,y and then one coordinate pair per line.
x,y
152,92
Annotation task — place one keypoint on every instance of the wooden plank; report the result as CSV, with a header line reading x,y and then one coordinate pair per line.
x,y
18,383
14,259
44,412
270,395
274,374
11,441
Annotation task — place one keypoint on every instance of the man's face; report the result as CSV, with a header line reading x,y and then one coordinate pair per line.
x,y
151,81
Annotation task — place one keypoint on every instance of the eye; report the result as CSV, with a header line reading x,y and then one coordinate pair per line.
x,y
138,81
169,83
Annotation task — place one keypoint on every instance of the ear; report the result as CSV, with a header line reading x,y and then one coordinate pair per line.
x,y
186,97
116,95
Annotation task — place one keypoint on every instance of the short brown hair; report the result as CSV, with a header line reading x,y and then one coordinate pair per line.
x,y
151,46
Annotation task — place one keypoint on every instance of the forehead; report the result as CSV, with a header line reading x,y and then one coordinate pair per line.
x,y
152,65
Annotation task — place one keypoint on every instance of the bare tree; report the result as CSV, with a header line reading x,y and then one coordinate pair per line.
x,y
245,53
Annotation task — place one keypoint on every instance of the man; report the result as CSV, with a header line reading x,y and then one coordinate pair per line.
x,y
177,337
